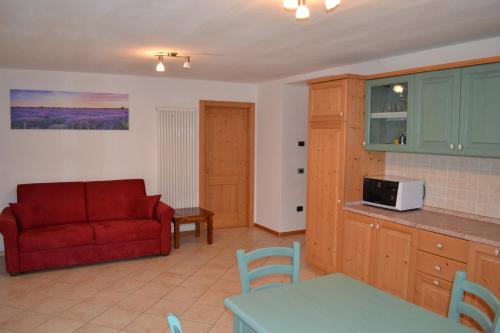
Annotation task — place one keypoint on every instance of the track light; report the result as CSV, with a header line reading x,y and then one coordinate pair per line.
x,y
302,12
160,67
187,63
290,4
330,4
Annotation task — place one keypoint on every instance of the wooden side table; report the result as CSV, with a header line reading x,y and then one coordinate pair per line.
x,y
192,215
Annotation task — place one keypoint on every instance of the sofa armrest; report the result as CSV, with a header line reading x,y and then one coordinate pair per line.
x,y
9,230
164,214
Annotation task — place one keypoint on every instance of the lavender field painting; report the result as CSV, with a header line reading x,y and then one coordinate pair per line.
x,y
43,109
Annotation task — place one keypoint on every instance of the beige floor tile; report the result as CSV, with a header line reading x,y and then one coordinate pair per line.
x,y
25,300
25,322
53,305
207,314
7,312
186,294
220,329
115,318
171,279
79,293
194,327
4,330
225,320
143,275
213,297
183,269
147,323
107,297
137,303
154,289
58,325
164,306
84,312
95,329
127,286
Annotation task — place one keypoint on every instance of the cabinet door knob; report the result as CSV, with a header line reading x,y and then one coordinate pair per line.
x,y
341,114
372,225
439,246
452,146
339,201
497,253
437,268
364,143
436,283
377,226
460,147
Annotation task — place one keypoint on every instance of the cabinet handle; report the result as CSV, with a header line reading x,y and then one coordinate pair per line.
x,y
372,225
497,253
436,283
460,147
377,226
452,146
439,246
339,201
341,114
437,268
364,143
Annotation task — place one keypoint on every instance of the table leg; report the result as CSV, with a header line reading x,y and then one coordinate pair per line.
x,y
240,327
210,229
177,235
197,230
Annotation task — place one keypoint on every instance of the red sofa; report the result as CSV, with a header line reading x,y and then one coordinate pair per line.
x,y
63,224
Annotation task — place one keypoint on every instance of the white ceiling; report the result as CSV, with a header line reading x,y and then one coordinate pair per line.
x,y
231,40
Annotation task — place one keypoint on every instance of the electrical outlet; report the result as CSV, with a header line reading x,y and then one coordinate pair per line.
x,y
300,171
300,208
302,143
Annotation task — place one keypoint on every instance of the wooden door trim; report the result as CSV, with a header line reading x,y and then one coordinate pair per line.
x,y
250,107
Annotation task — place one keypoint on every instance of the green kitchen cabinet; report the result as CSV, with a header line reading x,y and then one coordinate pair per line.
x,y
388,119
480,111
436,112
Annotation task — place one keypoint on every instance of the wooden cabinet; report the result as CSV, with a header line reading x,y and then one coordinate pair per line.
x,y
337,163
432,293
453,112
436,118
479,111
380,253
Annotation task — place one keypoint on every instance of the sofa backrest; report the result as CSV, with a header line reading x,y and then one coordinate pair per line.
x,y
61,202
114,199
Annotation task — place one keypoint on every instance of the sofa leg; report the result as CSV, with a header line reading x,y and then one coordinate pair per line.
x,y
14,274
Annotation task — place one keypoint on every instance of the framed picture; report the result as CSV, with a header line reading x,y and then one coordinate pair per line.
x,y
44,109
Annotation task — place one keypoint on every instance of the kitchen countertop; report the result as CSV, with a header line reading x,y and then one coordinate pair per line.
x,y
457,226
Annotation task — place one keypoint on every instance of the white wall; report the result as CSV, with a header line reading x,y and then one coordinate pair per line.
x,y
61,155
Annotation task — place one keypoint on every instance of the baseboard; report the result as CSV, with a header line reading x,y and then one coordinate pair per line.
x,y
2,254
280,234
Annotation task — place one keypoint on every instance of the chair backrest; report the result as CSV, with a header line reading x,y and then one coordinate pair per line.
x,y
458,306
174,324
247,276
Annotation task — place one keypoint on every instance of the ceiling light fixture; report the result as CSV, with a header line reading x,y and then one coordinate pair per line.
x,y
160,67
302,12
290,4
301,9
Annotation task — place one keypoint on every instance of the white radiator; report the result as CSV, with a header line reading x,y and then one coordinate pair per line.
x,y
178,156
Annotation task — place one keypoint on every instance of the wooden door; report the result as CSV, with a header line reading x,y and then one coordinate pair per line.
x,y
395,259
479,111
432,293
325,193
483,267
358,246
226,162
437,105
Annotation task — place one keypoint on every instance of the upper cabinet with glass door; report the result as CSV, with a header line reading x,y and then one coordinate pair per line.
x,y
389,116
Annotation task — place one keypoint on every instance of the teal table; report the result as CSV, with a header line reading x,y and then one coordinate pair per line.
x,y
330,304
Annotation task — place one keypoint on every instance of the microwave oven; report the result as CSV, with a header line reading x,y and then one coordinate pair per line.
x,y
396,193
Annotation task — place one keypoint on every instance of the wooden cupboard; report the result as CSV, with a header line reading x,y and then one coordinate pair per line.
x,y
380,253
432,293
336,163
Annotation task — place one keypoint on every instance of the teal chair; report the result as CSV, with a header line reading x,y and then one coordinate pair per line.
x,y
458,306
174,324
246,258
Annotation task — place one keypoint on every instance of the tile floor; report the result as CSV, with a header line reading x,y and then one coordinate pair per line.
x,y
135,295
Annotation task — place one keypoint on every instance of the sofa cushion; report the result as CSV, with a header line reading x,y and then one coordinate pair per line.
x,y
56,237
144,207
113,200
61,202
30,215
125,230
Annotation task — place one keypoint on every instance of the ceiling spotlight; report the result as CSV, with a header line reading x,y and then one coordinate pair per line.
x,y
302,12
160,67
187,63
290,4
330,4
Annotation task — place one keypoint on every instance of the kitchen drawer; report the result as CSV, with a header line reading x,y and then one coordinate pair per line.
x,y
445,246
432,293
438,266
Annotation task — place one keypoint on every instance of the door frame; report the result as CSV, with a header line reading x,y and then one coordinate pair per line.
x,y
250,107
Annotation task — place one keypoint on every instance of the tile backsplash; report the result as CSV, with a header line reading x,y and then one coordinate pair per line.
x,y
464,184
